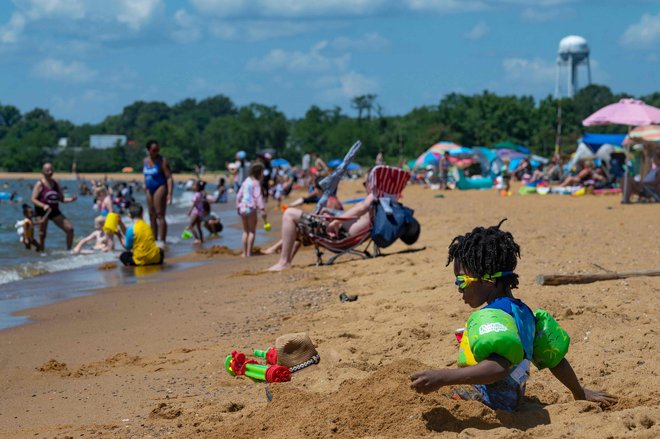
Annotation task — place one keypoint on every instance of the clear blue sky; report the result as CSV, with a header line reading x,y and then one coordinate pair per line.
x,y
86,59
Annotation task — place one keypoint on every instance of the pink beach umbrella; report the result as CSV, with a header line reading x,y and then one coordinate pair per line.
x,y
630,112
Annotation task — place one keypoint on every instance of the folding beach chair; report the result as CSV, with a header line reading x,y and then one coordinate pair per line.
x,y
385,183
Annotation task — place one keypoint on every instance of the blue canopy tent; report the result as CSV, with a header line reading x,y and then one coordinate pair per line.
x,y
595,141
595,147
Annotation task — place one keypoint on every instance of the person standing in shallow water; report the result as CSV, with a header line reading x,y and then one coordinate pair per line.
x,y
47,197
158,185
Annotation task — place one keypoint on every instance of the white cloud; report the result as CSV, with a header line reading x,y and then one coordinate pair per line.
x,y
132,13
288,8
369,42
534,70
538,73
11,32
351,8
541,15
296,61
344,86
643,34
446,5
203,87
37,9
354,84
55,69
479,31
188,29
260,30
135,13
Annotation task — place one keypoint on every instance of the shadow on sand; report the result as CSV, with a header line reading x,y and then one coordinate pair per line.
x,y
531,414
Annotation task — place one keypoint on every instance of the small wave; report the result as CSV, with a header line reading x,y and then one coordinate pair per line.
x,y
8,275
63,263
177,218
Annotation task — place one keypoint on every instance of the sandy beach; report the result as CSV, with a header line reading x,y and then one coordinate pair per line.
x,y
147,360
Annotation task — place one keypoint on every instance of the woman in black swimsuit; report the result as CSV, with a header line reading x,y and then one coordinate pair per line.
x,y
46,197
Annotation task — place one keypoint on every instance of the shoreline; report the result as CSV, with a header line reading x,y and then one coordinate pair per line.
x,y
148,359
115,176
182,256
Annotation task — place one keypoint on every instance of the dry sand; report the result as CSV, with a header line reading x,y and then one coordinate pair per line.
x,y
147,360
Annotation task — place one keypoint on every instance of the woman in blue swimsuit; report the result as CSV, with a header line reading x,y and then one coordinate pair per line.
x,y
158,186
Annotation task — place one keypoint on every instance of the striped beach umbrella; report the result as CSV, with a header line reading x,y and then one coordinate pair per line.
x,y
427,158
649,133
441,147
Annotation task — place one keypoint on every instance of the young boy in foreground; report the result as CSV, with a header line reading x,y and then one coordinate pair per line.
x,y
140,239
484,263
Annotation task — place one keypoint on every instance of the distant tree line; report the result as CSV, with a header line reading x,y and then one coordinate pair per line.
x,y
210,131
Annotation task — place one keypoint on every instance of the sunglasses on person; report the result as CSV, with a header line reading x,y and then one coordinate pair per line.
x,y
463,280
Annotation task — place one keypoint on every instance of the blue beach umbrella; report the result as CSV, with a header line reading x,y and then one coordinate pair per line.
x,y
334,163
280,162
461,150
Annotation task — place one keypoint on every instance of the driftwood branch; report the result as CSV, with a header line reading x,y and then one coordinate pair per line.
x,y
563,279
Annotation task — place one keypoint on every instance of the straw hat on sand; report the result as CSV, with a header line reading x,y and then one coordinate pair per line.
x,y
296,351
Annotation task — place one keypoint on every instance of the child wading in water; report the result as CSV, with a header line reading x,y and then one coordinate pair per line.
x,y
249,199
484,263
26,229
196,212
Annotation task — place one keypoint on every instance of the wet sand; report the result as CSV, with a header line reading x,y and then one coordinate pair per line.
x,y
146,360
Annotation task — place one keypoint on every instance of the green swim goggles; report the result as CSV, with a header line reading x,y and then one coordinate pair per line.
x,y
463,280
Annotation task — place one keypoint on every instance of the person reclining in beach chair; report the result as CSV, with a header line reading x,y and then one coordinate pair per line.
x,y
342,234
649,186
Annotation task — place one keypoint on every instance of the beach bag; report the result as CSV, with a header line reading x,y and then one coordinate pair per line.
x,y
391,220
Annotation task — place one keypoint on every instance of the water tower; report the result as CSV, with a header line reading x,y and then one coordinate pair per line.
x,y
573,52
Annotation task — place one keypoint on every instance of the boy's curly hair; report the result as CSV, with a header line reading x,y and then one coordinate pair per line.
x,y
486,251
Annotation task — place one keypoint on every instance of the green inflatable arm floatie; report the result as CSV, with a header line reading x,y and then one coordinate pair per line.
x,y
550,341
490,331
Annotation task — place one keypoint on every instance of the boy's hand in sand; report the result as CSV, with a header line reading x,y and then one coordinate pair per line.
x,y
427,381
600,397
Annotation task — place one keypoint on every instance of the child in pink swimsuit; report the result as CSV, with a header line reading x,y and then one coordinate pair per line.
x,y
249,200
196,212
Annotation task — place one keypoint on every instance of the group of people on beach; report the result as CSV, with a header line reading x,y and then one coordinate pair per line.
x,y
484,262
139,242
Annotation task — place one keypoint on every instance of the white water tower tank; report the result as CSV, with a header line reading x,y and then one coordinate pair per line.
x,y
573,52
